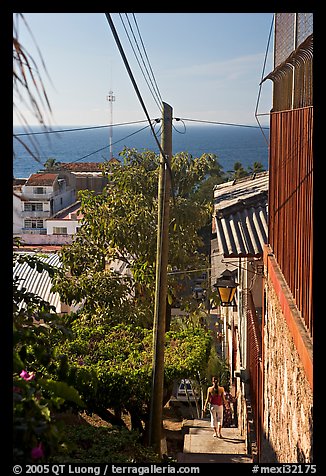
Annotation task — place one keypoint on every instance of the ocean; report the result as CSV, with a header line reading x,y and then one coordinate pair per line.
x,y
230,144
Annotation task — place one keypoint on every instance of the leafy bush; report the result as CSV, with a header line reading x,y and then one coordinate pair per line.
x,y
36,395
88,444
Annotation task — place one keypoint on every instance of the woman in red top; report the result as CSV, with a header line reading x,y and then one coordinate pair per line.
x,y
215,395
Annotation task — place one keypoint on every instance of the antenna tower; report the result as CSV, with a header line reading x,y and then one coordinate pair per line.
x,y
111,99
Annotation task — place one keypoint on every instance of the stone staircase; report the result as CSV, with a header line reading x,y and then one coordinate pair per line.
x,y
201,447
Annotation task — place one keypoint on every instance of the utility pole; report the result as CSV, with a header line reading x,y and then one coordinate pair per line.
x,y
162,249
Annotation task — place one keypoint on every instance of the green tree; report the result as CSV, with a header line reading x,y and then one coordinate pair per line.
x,y
109,357
237,172
51,163
111,367
121,224
256,168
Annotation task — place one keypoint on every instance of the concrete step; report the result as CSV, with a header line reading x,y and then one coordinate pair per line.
x,y
201,446
188,458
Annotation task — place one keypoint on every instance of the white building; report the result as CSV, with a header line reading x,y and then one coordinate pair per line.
x,y
38,198
66,222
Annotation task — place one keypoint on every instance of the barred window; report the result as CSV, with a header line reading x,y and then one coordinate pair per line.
x,y
33,207
60,230
33,224
39,190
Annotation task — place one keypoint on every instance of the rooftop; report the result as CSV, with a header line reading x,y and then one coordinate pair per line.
x,y
36,282
229,193
66,213
82,166
240,218
41,179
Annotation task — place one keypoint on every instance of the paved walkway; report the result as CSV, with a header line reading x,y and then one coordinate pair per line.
x,y
201,447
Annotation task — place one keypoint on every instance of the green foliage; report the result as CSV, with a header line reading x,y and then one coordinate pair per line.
x,y
88,444
102,356
217,367
121,223
186,353
61,391
239,171
36,329
51,164
111,366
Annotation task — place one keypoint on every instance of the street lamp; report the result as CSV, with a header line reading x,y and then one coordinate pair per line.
x,y
226,287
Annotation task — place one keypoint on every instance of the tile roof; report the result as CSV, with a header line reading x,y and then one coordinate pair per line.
x,y
82,166
42,179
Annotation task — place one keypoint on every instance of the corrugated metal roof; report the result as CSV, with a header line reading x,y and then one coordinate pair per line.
x,y
39,283
243,232
241,222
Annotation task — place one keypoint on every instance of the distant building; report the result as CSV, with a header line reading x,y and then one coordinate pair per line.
x,y
66,222
88,175
38,198
40,283
45,207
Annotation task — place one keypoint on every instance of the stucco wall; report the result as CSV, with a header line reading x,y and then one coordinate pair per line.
x,y
288,397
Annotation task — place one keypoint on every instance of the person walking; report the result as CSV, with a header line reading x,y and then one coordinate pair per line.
x,y
216,398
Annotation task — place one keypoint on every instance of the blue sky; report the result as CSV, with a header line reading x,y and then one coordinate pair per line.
x,y
207,66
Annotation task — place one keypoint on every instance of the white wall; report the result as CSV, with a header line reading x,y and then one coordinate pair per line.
x,y
71,226
37,239
17,218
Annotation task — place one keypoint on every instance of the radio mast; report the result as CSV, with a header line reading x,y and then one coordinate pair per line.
x,y
111,99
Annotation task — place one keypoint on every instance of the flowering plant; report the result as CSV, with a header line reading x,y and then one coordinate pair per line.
x,y
36,396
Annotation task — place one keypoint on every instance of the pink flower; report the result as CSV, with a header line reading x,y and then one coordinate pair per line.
x,y
37,452
26,375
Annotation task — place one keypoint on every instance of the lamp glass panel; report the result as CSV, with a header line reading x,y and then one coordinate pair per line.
x,y
225,294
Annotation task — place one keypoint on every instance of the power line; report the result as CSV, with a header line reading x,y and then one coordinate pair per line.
x,y
262,76
218,123
105,147
81,128
157,88
154,121
131,76
153,92
157,120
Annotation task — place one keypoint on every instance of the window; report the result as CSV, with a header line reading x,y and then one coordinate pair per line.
x,y
39,190
33,207
60,230
33,224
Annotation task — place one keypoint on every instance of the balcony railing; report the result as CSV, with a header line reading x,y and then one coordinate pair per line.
x,y
34,231
36,214
29,194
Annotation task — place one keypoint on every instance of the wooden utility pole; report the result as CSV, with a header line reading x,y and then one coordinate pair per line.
x,y
162,250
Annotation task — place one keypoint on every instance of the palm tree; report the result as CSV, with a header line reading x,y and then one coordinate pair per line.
x,y
51,163
256,168
28,87
238,171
